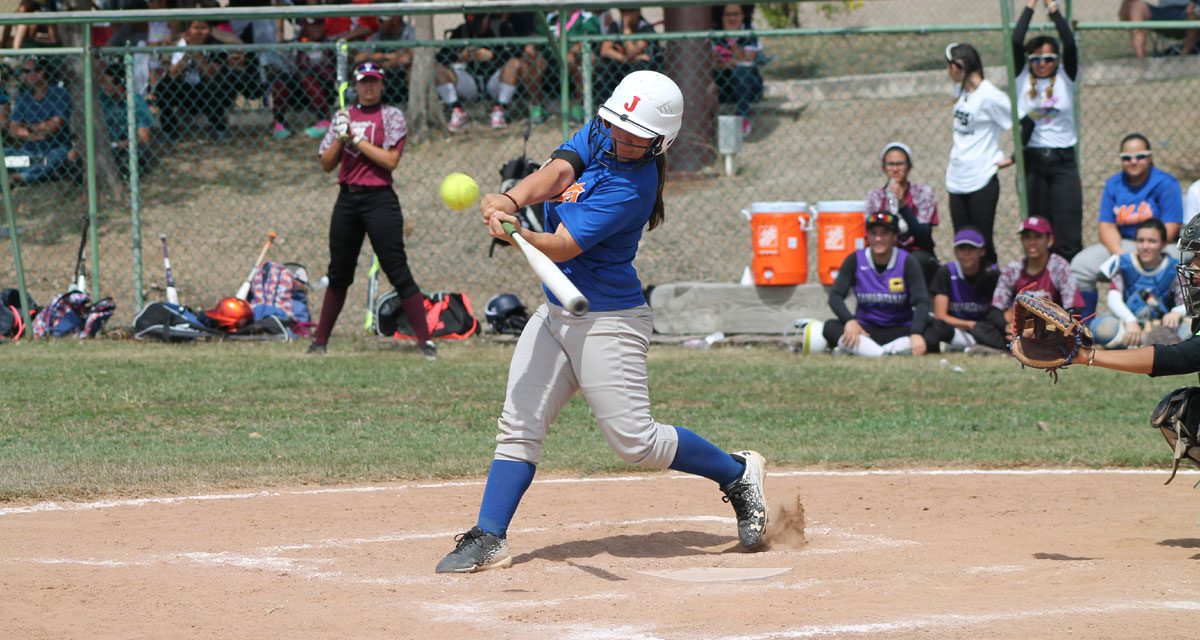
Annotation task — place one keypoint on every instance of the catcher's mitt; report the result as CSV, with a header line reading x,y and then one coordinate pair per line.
x,y
1177,416
1046,335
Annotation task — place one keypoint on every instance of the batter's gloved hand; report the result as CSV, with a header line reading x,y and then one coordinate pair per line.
x,y
341,125
1046,336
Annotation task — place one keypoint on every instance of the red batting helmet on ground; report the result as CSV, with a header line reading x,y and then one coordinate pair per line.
x,y
231,314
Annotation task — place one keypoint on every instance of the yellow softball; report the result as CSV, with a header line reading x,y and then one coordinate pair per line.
x,y
459,191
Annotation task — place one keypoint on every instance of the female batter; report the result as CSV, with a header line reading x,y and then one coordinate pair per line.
x,y
366,140
601,188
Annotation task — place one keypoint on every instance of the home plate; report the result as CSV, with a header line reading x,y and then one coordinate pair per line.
x,y
718,574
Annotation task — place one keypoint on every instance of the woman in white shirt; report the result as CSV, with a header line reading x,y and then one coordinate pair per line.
x,y
981,113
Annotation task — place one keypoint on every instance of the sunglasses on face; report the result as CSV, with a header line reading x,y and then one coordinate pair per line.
x,y
1130,157
732,14
1043,59
900,163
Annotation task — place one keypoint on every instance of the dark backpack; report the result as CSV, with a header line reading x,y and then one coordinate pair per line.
x,y
448,315
170,323
12,324
532,217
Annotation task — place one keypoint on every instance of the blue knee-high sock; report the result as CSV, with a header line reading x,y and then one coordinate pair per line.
x,y
1090,299
506,483
699,457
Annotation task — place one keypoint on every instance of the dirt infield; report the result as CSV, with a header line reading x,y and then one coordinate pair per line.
x,y
894,554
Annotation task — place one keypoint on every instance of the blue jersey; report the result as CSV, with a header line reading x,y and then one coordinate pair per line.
x,y
1158,197
605,210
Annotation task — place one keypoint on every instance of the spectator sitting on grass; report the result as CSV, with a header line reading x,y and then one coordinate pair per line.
x,y
395,62
305,82
40,122
962,290
1144,290
36,35
462,70
891,302
1140,11
352,29
916,204
737,76
112,104
1139,192
1040,273
619,58
198,83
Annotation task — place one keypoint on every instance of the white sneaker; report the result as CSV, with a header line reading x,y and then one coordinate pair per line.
x,y
748,498
498,121
458,120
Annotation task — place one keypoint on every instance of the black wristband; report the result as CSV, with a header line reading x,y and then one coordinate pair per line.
x,y
512,200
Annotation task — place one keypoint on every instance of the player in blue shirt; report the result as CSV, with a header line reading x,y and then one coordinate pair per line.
x,y
602,187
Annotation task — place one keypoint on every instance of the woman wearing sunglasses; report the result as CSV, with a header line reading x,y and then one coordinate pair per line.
x,y
981,113
1046,106
1139,192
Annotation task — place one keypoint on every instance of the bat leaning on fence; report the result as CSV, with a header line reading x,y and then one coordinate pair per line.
x,y
79,280
244,292
172,294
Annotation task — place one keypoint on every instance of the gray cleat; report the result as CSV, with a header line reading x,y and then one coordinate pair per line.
x,y
748,498
477,550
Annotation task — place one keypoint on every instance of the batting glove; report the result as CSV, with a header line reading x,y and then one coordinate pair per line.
x,y
341,126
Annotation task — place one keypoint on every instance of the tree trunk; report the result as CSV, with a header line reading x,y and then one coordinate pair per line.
x,y
689,64
106,170
424,112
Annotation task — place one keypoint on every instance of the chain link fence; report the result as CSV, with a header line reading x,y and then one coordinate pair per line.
x,y
228,137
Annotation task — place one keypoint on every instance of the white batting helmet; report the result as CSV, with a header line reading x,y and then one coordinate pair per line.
x,y
647,104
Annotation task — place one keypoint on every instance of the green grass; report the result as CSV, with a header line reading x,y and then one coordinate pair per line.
x,y
121,418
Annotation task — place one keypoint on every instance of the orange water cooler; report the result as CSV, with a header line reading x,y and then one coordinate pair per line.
x,y
841,230
779,239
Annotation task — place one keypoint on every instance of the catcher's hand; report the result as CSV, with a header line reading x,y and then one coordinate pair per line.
x,y
1046,336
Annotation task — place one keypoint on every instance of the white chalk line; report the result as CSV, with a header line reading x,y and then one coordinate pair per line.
x,y
944,621
44,507
272,558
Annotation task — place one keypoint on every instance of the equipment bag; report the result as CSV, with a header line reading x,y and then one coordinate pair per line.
x,y
170,323
72,314
447,314
271,291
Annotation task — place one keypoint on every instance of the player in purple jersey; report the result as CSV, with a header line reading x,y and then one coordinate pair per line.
x,y
963,315
891,301
602,187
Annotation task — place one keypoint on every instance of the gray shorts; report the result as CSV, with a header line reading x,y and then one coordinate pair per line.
x,y
602,354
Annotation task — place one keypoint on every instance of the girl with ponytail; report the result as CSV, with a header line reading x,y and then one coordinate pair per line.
x,y
981,113
1046,76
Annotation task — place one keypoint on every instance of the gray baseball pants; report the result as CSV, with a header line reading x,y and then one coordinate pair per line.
x,y
602,354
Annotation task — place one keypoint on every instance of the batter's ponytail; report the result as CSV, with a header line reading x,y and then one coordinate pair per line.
x,y
659,212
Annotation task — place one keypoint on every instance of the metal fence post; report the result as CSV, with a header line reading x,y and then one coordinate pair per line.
x,y
585,61
1010,64
564,81
135,204
12,233
89,111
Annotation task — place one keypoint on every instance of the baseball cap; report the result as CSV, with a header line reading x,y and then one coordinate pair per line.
x,y
368,70
969,238
1036,224
884,219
